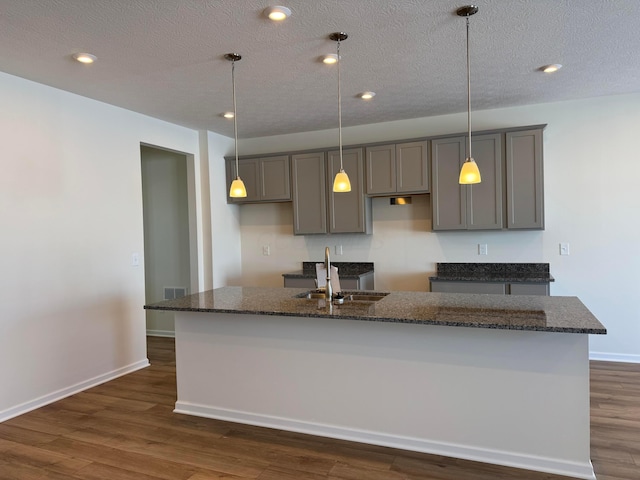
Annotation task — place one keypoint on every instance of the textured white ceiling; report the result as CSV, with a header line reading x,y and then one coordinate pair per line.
x,y
164,58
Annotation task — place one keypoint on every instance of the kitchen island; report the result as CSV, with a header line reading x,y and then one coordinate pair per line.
x,y
498,379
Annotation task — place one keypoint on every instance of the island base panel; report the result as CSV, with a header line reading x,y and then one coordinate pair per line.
x,y
514,398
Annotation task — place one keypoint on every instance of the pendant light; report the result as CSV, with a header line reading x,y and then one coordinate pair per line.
x,y
237,189
469,173
341,183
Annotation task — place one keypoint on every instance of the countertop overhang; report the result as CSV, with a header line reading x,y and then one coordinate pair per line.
x,y
504,312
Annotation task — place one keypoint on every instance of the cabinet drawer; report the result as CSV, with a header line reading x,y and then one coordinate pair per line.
x,y
469,287
529,289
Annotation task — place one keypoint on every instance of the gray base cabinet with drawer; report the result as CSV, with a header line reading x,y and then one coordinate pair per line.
x,y
363,282
499,288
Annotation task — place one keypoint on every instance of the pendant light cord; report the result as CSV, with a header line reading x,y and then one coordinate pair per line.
x,y
468,91
339,110
235,114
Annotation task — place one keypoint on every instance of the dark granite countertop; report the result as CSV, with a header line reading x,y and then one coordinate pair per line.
x,y
536,313
345,269
493,272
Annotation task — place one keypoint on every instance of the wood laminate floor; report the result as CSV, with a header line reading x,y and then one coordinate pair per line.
x,y
125,429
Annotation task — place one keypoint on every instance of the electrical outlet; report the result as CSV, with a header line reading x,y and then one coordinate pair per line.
x,y
564,249
266,250
483,249
338,249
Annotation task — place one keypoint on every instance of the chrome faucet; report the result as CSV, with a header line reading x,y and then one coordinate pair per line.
x,y
328,292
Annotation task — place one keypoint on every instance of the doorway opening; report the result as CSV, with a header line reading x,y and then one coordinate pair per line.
x,y
168,202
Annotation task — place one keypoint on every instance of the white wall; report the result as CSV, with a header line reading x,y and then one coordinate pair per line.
x,y
225,227
71,216
591,174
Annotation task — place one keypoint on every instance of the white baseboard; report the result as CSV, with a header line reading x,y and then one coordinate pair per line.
x,y
67,392
161,333
509,459
614,357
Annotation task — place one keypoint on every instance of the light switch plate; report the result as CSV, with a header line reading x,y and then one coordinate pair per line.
x,y
564,249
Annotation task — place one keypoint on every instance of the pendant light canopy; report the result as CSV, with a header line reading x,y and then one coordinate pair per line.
x,y
341,183
237,189
469,173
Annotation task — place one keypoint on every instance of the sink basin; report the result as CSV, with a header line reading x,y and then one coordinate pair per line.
x,y
348,296
311,295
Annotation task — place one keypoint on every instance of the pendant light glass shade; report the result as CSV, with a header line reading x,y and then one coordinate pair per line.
x,y
237,189
470,173
341,183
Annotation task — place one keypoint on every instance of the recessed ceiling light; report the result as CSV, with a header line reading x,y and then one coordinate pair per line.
x,y
85,57
278,13
551,68
367,95
330,58
227,114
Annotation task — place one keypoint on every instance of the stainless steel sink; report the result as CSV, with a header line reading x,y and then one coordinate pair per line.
x,y
311,295
348,296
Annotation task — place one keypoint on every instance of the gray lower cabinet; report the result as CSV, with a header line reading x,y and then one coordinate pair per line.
x,y
397,168
499,288
267,179
467,207
486,205
362,282
316,208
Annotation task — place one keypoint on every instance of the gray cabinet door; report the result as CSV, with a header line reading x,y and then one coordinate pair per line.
x,y
275,184
412,167
529,289
266,179
309,193
525,190
397,168
469,287
448,200
299,282
467,207
381,170
249,170
349,212
484,199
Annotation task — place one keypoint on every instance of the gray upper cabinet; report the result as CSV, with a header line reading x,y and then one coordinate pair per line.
x,y
525,186
397,168
448,200
349,212
309,193
316,208
513,159
467,207
267,179
484,199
